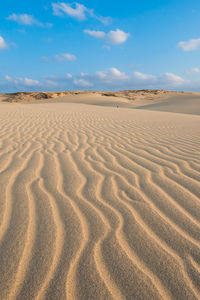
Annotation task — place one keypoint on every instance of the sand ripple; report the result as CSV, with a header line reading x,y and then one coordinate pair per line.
x,y
98,203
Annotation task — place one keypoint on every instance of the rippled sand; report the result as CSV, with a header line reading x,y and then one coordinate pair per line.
x,y
98,203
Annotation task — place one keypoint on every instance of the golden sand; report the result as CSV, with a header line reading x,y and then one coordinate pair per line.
x,y
98,202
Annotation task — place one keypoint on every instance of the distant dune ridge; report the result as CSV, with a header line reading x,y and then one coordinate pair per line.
x,y
100,200
129,94
161,100
35,97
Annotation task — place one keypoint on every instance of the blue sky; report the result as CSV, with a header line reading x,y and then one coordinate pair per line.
x,y
110,45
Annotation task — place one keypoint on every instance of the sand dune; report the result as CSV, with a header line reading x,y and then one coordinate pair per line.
x,y
87,96
186,103
98,202
156,100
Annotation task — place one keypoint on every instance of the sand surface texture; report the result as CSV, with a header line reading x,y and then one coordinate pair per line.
x,y
98,202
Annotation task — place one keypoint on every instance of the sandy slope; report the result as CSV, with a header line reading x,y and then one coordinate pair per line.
x,y
187,104
98,203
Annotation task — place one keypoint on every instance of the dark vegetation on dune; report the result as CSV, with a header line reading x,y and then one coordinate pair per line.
x,y
128,94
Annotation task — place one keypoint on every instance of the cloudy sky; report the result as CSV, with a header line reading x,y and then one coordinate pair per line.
x,y
92,44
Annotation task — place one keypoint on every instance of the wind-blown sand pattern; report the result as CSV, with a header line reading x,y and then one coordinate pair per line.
x,y
98,203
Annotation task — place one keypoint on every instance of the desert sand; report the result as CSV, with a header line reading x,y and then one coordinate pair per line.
x,y
100,200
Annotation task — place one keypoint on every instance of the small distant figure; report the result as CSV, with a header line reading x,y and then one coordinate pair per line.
x,y
117,106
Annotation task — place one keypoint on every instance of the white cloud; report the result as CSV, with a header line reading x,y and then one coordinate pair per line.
x,y
117,37
113,74
82,83
51,83
69,75
112,78
104,20
193,71
8,78
23,19
3,44
96,34
170,78
77,11
65,57
83,74
28,20
112,37
191,45
142,76
28,82
58,81
166,79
